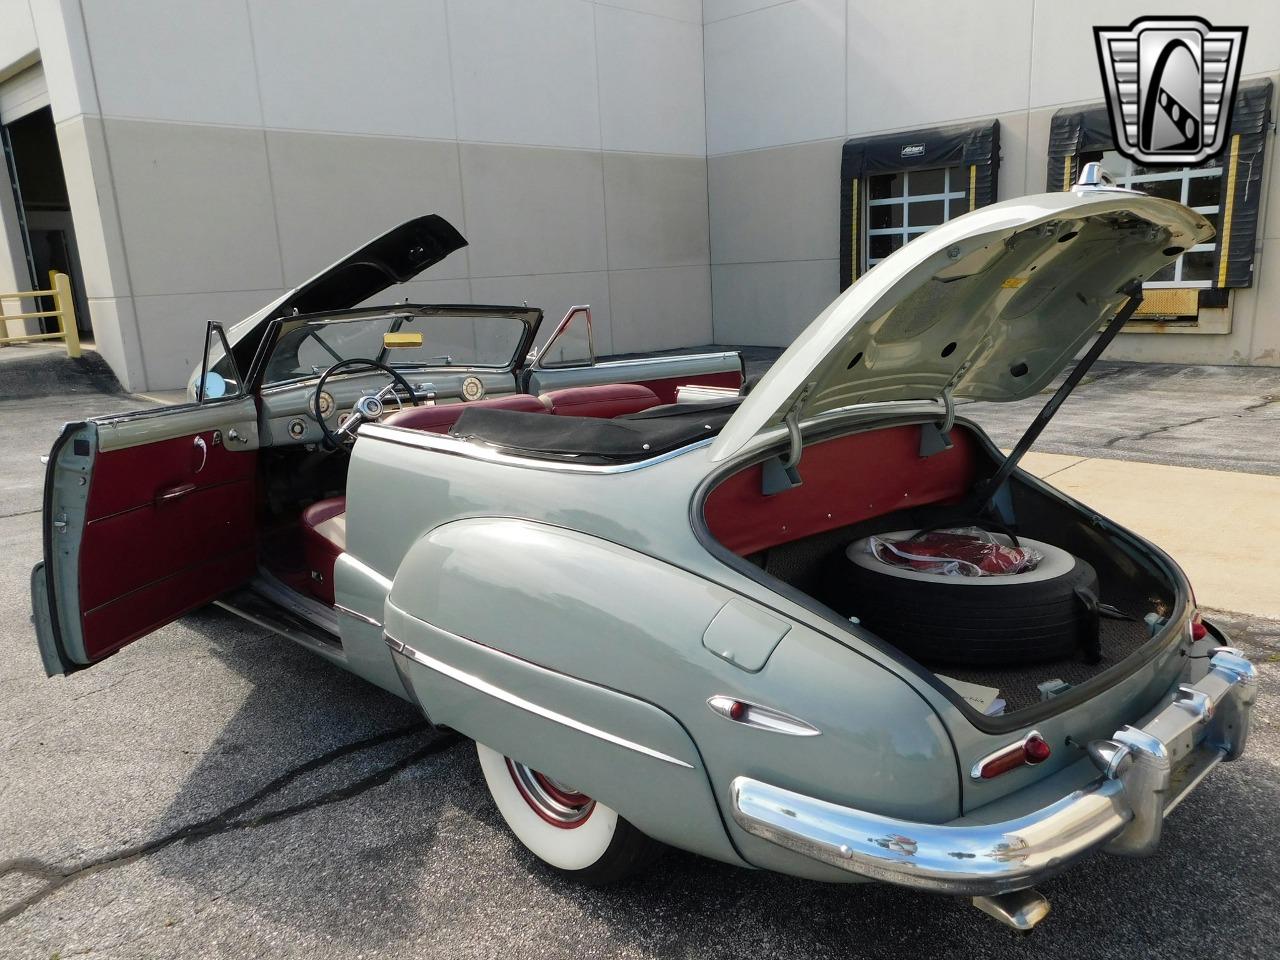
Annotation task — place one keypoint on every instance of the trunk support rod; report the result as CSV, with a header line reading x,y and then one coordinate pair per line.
x,y
988,490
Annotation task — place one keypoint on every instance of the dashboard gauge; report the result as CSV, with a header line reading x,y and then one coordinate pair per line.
x,y
472,389
342,420
325,404
297,428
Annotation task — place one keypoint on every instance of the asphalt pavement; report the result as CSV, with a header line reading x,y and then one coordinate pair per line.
x,y
214,791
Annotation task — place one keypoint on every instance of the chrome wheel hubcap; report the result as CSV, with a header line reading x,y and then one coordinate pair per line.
x,y
558,804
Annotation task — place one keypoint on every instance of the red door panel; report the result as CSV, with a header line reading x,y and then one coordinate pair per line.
x,y
169,525
666,387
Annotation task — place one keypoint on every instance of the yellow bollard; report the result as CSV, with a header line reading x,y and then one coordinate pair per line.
x,y
65,304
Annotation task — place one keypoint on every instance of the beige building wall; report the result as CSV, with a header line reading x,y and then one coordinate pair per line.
x,y
674,163
787,83
218,152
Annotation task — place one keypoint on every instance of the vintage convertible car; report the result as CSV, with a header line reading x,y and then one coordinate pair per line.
x,y
640,600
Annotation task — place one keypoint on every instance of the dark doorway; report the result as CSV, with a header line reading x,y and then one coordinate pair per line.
x,y
44,211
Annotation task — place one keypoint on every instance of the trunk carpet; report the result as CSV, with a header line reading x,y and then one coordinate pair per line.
x,y
1018,685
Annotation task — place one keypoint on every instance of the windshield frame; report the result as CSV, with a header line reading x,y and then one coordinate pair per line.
x,y
530,317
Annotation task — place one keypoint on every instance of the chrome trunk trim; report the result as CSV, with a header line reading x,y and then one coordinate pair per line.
x,y
1147,771
458,447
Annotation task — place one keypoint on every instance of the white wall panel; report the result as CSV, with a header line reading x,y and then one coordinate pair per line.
x,y
650,83
156,60
776,76
350,67
525,72
918,64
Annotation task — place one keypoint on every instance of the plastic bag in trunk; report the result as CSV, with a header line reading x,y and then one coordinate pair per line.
x,y
956,552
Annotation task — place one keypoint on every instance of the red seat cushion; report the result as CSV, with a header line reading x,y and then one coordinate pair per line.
x,y
324,538
606,400
440,418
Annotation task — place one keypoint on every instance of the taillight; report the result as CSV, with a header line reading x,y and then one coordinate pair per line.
x,y
1198,630
1029,751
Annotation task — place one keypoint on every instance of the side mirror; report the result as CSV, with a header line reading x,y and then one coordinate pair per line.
x,y
215,385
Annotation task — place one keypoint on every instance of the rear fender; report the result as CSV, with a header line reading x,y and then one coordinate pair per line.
x,y
519,634
509,672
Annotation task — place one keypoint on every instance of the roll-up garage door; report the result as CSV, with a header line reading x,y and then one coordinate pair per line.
x,y
23,93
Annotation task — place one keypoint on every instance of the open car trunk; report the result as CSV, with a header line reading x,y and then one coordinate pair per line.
x,y
877,480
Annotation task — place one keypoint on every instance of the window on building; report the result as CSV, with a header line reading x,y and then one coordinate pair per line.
x,y
903,205
1197,187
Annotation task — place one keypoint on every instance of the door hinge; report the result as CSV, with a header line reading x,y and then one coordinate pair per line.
x,y
780,473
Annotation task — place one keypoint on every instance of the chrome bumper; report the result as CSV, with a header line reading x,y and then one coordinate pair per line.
x,y
1145,772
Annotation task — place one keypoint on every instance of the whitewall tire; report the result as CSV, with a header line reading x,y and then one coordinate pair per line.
x,y
560,826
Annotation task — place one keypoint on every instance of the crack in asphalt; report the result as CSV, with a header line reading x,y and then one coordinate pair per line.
x,y
232,818
1151,433
20,513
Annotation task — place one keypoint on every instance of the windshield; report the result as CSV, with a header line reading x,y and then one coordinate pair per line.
x,y
470,340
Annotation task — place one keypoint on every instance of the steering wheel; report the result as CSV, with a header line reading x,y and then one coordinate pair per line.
x,y
368,407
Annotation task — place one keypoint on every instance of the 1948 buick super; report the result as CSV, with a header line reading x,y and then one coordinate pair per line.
x,y
647,595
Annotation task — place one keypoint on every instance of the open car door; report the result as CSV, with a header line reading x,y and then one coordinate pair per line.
x,y
147,516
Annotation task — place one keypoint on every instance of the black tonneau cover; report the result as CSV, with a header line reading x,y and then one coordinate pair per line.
x,y
635,436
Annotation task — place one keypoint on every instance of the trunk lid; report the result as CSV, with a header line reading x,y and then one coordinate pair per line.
x,y
989,306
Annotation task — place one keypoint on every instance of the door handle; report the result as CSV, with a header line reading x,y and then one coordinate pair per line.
x,y
174,493
203,449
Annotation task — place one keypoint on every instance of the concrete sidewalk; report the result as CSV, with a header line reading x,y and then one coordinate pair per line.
x,y
1221,527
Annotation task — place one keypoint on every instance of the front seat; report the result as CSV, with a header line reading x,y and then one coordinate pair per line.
x,y
324,537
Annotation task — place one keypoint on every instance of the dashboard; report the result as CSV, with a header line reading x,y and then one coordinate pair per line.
x,y
285,417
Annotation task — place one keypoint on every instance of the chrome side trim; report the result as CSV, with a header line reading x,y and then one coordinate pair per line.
x,y
761,717
441,443
506,696
357,615
1146,772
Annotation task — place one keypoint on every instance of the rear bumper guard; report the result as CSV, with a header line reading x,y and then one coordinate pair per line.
x,y
1145,773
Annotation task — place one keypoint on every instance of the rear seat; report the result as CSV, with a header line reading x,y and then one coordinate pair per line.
x,y
604,401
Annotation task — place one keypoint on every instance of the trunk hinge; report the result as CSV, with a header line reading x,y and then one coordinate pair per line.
x,y
934,437
779,473
987,491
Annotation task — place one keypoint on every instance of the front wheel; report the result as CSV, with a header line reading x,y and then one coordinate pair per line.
x,y
563,827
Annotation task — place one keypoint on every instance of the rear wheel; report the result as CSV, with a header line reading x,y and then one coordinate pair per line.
x,y
562,826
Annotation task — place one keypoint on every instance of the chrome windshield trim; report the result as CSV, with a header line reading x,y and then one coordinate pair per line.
x,y
506,696
458,447
672,359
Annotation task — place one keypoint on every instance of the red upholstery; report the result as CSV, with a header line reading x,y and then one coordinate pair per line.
x,y
324,537
439,419
667,387
846,480
169,525
606,401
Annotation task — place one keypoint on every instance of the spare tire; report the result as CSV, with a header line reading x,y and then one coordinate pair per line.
x,y
1048,613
